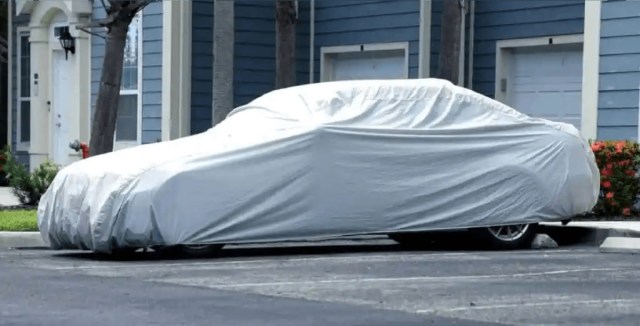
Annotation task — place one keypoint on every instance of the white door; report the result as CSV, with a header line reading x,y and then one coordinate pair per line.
x,y
60,109
384,64
547,83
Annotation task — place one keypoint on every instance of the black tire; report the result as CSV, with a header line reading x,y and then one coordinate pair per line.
x,y
189,250
417,239
408,239
523,239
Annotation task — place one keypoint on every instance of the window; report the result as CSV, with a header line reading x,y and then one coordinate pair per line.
x,y
129,103
24,89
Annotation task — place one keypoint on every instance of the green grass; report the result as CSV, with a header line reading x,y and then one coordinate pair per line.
x,y
18,220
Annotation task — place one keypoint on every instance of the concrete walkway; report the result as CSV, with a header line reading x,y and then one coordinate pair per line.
x,y
7,198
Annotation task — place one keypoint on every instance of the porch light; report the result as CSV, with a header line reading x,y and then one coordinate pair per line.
x,y
67,42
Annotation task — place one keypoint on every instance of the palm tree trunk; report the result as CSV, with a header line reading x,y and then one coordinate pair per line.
x,y
285,43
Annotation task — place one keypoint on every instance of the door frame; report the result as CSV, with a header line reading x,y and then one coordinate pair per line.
x,y
67,117
55,48
326,51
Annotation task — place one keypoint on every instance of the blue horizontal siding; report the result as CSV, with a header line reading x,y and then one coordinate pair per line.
x,y
152,72
514,19
254,38
254,49
619,83
151,87
201,65
354,22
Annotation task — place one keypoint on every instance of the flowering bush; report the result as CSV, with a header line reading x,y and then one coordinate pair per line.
x,y
618,162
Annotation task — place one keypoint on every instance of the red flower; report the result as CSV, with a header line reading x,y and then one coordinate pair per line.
x,y
626,211
606,172
630,173
597,146
610,195
606,184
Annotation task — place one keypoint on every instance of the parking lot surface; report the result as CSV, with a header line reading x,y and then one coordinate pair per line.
x,y
373,282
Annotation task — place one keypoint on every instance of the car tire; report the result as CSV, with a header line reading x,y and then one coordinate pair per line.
x,y
417,240
507,237
189,250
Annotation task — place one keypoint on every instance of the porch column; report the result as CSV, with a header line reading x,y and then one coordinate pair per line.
x,y
81,101
40,144
176,69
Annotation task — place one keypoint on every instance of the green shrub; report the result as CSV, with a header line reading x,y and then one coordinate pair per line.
x,y
29,187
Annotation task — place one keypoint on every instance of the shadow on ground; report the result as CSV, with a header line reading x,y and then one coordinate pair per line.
x,y
436,242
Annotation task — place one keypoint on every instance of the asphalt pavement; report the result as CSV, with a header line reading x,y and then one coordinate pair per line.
x,y
367,282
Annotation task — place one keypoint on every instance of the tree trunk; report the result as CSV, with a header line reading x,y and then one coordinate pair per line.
x,y
223,39
450,41
105,116
285,43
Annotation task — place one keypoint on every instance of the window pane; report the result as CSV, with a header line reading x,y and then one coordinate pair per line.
x,y
131,51
25,66
127,124
25,121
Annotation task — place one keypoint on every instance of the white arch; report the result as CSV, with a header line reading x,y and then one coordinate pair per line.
x,y
45,11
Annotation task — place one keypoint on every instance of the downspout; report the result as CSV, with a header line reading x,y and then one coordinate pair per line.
x,y
9,72
312,34
472,27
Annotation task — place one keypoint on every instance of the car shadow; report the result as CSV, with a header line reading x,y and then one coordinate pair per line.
x,y
437,242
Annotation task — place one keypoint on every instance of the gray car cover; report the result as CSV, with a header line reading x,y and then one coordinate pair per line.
x,y
326,160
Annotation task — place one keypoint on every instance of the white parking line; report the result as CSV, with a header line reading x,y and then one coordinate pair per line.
x,y
414,278
528,304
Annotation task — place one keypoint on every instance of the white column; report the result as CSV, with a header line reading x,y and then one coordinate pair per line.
x,y
40,109
176,69
81,90
424,47
591,69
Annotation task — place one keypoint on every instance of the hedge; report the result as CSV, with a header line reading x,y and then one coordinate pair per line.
x,y
618,163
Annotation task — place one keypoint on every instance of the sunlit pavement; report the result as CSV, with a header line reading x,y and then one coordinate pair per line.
x,y
366,282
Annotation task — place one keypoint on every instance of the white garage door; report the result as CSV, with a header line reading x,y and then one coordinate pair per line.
x,y
384,64
547,83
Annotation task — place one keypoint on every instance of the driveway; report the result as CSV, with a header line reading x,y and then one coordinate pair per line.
x,y
366,282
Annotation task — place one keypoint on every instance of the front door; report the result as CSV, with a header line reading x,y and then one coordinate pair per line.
x,y
60,108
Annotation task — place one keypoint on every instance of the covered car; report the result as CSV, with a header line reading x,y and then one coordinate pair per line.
x,y
327,160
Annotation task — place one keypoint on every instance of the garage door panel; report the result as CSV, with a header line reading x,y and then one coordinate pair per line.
x,y
546,82
535,105
525,87
381,64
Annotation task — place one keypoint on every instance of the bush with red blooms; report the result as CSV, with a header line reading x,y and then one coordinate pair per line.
x,y
618,162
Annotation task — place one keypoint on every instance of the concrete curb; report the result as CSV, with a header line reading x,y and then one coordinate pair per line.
x,y
621,245
21,239
610,237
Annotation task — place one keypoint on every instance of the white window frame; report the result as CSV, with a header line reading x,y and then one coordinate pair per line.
x,y
21,145
117,145
326,52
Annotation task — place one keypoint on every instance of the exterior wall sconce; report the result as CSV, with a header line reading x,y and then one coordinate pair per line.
x,y
67,42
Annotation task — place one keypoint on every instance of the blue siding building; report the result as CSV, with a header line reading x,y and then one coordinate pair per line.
x,y
575,61
619,70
